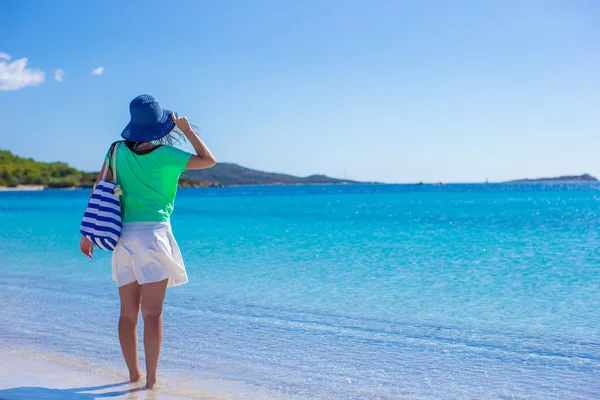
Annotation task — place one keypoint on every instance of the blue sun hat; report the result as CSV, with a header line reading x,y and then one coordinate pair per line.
x,y
149,121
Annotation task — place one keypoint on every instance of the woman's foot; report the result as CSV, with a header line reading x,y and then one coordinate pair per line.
x,y
134,377
150,382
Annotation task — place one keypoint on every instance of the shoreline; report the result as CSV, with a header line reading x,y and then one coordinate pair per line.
x,y
26,374
40,188
23,188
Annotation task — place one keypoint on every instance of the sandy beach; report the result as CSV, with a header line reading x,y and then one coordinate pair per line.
x,y
26,375
22,188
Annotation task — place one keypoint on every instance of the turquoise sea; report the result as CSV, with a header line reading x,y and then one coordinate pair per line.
x,y
337,292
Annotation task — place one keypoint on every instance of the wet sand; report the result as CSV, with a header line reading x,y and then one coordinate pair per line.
x,y
28,375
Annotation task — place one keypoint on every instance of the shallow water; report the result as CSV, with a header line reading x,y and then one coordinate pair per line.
x,y
340,292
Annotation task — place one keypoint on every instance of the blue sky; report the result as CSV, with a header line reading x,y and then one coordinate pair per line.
x,y
394,91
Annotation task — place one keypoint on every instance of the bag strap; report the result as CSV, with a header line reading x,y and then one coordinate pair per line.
x,y
112,161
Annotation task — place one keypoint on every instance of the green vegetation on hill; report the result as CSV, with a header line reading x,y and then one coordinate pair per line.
x,y
15,170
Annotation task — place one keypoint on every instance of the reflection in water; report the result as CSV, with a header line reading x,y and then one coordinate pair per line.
x,y
132,396
142,394
152,395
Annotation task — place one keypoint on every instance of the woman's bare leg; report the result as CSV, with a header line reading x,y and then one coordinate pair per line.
x,y
130,295
153,296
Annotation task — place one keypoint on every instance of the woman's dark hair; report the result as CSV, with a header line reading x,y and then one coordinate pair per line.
x,y
176,136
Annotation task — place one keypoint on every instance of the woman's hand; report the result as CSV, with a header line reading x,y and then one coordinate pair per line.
x,y
87,247
182,123
204,158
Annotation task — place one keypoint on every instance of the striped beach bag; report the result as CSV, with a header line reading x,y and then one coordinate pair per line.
x,y
101,222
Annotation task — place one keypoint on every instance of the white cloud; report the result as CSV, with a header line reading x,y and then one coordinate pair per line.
x,y
98,71
15,75
59,75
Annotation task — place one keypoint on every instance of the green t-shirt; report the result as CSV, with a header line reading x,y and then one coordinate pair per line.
x,y
149,182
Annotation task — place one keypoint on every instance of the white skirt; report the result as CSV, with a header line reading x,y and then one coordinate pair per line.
x,y
147,252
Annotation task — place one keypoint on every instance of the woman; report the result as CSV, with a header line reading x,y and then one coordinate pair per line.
x,y
147,259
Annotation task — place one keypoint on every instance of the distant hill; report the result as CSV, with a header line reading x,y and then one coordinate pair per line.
x,y
15,170
559,179
233,174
